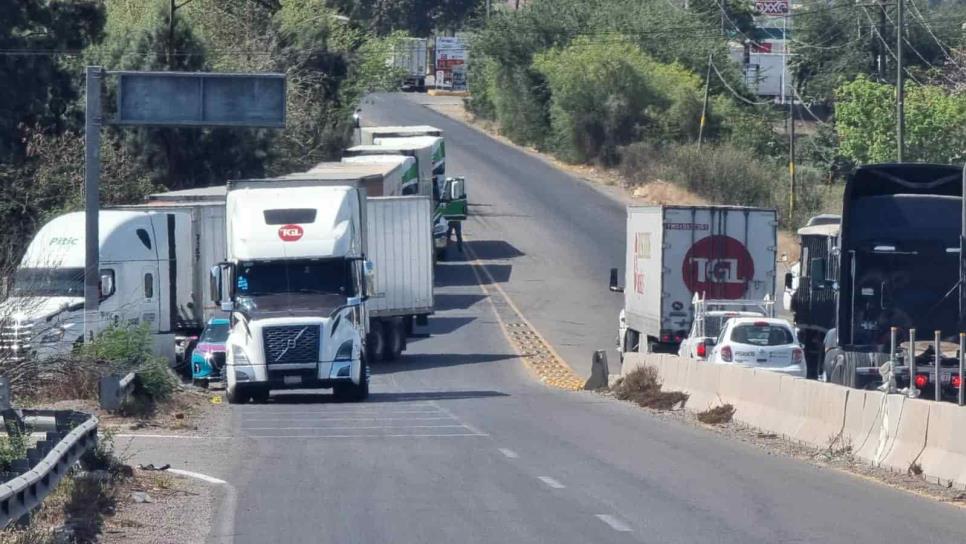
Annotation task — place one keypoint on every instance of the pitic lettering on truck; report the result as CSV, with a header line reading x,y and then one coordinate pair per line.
x,y
719,266
642,250
63,241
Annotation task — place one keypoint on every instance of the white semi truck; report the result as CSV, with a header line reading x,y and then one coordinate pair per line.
x,y
410,55
677,252
307,309
403,172
153,273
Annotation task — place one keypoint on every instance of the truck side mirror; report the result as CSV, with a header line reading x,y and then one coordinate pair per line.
x,y
788,280
369,270
458,189
816,269
214,282
614,287
106,283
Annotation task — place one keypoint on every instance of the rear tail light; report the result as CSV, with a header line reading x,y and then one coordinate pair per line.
x,y
798,355
702,350
726,354
922,380
678,339
956,381
665,338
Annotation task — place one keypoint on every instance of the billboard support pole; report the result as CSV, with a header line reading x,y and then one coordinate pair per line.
x,y
93,119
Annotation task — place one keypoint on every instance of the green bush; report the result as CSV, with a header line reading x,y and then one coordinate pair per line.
x,y
608,94
130,348
865,119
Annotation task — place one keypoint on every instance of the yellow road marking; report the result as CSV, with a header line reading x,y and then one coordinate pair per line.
x,y
532,348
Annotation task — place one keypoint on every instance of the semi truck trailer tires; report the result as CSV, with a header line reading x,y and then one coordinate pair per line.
x,y
375,342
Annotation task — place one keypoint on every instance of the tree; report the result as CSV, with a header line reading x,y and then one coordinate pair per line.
x,y
44,92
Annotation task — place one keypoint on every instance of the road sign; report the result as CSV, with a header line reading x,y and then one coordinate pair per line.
x,y
772,7
198,99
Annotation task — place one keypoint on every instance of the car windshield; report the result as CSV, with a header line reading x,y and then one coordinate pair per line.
x,y
216,333
328,277
761,334
49,282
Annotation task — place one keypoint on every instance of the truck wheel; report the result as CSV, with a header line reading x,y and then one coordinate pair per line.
x,y
395,339
200,382
375,342
238,395
351,392
408,323
441,254
261,395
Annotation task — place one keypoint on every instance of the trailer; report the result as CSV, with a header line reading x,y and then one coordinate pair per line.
x,y
677,252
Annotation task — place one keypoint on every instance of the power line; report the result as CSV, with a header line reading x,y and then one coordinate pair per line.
x,y
736,93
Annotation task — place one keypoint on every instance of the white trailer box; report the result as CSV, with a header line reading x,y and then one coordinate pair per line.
x,y
428,151
675,252
401,175
369,134
410,56
401,246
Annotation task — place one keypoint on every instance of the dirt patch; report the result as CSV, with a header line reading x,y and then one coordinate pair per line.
x,y
643,388
152,509
718,415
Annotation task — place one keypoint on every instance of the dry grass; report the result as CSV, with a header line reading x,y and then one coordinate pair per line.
x,y
663,192
719,415
643,388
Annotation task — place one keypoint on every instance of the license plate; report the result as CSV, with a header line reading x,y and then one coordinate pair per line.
x,y
292,380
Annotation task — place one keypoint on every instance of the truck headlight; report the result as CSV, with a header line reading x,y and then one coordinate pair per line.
x,y
52,336
345,351
238,356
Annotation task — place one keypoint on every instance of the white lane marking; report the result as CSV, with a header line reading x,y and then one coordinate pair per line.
x,y
452,415
391,427
277,419
427,435
197,475
178,436
551,482
614,523
509,453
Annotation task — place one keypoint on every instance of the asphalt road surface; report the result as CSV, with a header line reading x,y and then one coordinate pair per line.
x,y
459,443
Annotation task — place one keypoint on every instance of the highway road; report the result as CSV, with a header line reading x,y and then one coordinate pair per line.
x,y
459,442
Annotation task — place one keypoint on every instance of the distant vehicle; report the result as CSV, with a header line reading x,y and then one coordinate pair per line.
x,y
675,252
208,355
757,342
810,298
410,55
710,317
369,134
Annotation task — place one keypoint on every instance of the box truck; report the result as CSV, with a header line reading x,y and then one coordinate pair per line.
x,y
369,134
677,252
409,56
154,260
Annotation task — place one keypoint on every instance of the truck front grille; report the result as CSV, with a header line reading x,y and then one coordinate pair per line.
x,y
291,344
14,340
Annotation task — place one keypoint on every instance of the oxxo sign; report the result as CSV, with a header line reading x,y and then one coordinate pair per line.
x,y
719,267
771,7
290,233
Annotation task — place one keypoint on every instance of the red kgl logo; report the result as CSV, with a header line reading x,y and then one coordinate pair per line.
x,y
290,233
718,267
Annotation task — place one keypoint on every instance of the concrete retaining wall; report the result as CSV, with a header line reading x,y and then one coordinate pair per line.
x,y
885,430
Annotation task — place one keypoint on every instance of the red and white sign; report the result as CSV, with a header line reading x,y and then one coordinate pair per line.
x,y
718,267
771,7
290,233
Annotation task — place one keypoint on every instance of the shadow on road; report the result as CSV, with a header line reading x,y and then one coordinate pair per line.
x,y
324,398
461,274
425,361
493,249
450,301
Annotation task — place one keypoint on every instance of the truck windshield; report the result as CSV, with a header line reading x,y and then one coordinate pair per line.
x,y
49,282
324,277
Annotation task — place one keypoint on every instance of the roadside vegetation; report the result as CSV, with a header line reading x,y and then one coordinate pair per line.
x,y
643,387
620,84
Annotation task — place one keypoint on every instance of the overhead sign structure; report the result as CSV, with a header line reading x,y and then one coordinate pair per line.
x,y
168,99
192,99
772,7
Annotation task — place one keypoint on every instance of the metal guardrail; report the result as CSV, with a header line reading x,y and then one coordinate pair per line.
x,y
113,390
69,435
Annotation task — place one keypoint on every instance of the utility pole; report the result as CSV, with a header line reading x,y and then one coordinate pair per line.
x,y
488,9
704,106
92,174
791,156
900,87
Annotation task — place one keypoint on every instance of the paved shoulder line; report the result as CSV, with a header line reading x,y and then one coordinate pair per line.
x,y
529,344
197,476
614,523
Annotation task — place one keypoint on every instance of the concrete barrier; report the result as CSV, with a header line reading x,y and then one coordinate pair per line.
x,y
943,460
824,418
701,385
910,434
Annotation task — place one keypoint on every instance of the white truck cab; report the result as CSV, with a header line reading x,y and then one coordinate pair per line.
x,y
296,285
142,262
